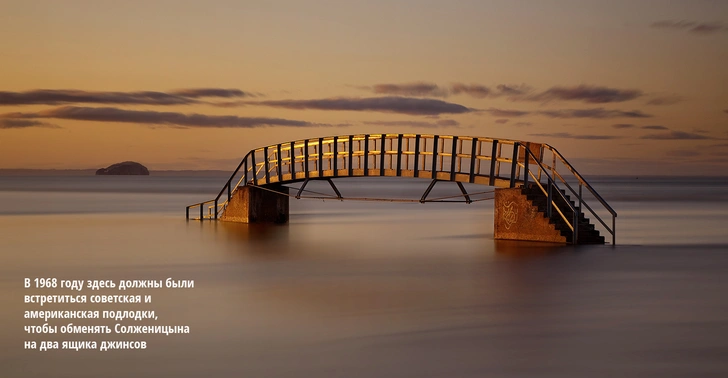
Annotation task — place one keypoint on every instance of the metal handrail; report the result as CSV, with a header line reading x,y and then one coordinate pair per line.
x,y
551,203
584,183
582,180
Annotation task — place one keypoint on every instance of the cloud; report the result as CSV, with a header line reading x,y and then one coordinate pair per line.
x,y
655,127
425,89
506,112
675,135
726,110
513,90
586,93
691,26
576,136
157,118
448,123
523,124
211,92
501,121
24,123
410,89
598,113
73,96
482,91
401,105
665,100
473,90
430,125
623,126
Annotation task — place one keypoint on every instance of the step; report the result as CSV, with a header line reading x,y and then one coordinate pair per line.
x,y
587,231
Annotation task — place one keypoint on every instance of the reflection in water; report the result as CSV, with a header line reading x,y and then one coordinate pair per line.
x,y
252,233
524,249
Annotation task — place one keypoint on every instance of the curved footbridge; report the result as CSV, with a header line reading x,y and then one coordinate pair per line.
x,y
539,195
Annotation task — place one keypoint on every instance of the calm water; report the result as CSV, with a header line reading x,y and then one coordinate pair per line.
x,y
372,289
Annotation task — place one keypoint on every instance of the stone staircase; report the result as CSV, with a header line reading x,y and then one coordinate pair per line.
x,y
587,233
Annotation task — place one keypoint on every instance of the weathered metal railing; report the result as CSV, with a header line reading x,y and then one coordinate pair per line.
x,y
462,159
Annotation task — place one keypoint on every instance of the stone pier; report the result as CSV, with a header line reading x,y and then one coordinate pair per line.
x,y
250,204
517,218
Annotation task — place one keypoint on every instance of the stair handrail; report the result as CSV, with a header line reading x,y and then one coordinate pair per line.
x,y
584,183
551,184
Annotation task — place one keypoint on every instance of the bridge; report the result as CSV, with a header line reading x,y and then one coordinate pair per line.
x,y
539,195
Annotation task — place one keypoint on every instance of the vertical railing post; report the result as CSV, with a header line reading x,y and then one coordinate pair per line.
x,y
550,198
280,163
514,163
366,155
202,211
351,155
417,155
579,197
255,169
214,210
292,158
473,158
434,156
453,157
266,166
321,157
382,153
576,228
187,213
335,166
614,230
527,156
305,158
399,155
229,190
577,215
245,163
493,160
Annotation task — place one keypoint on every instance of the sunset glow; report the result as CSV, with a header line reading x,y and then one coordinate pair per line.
x,y
620,87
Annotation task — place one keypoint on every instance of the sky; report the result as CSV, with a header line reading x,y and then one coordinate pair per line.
x,y
619,87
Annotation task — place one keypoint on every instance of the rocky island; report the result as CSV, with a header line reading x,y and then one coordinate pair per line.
x,y
124,168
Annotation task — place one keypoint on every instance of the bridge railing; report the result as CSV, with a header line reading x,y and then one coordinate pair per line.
x,y
487,161
466,159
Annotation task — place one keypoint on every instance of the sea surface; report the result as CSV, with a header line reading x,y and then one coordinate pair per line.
x,y
368,288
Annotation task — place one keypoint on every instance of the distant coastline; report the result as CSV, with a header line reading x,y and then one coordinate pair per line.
x,y
226,173
92,172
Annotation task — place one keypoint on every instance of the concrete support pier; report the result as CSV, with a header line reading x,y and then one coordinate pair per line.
x,y
250,204
517,218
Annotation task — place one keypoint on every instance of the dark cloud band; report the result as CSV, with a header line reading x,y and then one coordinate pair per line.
x,y
401,105
24,123
156,118
410,89
675,135
585,93
577,136
692,26
72,96
428,125
597,113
